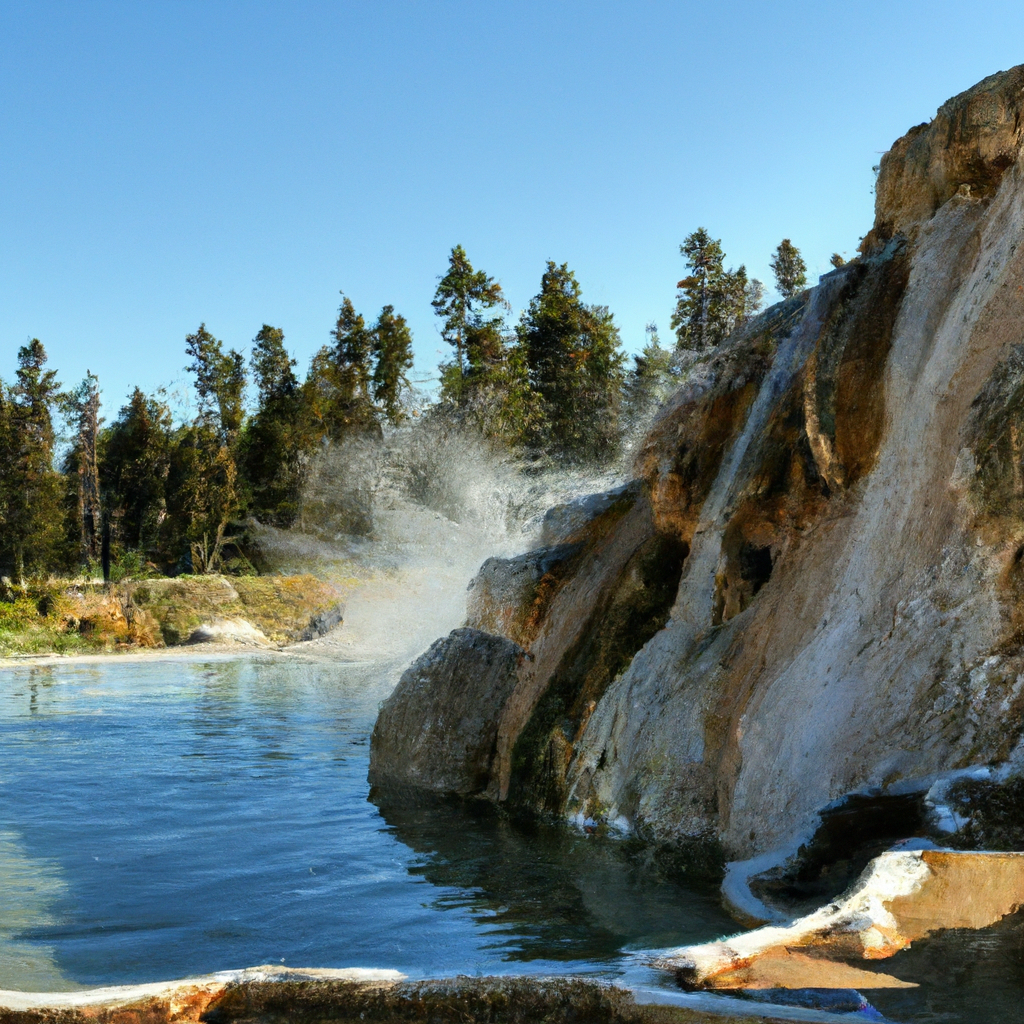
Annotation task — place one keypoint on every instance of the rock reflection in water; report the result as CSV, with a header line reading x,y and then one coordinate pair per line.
x,y
975,976
548,893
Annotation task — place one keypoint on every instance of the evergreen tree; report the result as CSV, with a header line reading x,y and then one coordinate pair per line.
x,y
7,480
337,395
789,269
272,439
712,301
463,298
651,379
574,362
81,470
392,347
220,380
135,463
202,493
354,346
34,519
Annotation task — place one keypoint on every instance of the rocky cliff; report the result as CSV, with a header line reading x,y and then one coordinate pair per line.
x,y
813,588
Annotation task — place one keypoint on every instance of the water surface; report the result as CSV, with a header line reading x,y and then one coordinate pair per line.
x,y
169,817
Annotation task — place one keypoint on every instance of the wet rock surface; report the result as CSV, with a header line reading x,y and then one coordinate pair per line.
x,y
437,730
323,622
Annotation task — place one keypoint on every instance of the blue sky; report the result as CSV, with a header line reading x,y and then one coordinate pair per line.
x,y
164,164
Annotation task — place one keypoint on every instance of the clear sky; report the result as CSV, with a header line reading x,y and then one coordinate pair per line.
x,y
166,163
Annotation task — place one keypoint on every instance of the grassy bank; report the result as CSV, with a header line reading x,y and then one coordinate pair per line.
x,y
75,617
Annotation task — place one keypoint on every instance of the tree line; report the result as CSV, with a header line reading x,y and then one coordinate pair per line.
x,y
553,387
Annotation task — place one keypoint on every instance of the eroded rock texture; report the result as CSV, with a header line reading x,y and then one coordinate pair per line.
x,y
814,586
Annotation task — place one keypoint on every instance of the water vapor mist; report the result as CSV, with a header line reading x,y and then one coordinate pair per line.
x,y
411,516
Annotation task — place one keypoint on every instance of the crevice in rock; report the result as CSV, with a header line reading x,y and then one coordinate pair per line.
x,y
621,623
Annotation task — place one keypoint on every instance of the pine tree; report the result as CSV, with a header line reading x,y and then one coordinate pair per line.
x,y
463,297
272,441
353,355
81,469
712,301
134,466
220,380
337,395
574,365
692,320
8,483
34,525
392,347
202,493
789,268
650,380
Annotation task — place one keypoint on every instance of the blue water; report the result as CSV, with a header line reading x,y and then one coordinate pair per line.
x,y
170,817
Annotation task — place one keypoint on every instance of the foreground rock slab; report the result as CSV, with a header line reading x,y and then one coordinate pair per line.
x,y
903,895
269,994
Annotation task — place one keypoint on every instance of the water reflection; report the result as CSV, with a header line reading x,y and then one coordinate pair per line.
x,y
172,817
31,887
963,976
545,892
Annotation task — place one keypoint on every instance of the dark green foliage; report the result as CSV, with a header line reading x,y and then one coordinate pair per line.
x,y
134,465
272,440
171,496
789,269
392,347
712,301
340,382
466,298
33,527
574,366
81,471
220,379
202,494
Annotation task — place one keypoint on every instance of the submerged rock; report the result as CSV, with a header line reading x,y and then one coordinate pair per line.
x,y
438,728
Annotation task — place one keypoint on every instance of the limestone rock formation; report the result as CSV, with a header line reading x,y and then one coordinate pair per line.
x,y
437,730
815,587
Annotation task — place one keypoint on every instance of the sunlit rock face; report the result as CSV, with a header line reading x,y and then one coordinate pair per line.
x,y
816,586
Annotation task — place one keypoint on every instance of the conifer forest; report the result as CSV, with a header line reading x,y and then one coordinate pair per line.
x,y
151,490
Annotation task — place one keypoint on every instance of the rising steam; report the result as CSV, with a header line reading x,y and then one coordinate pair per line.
x,y
404,521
